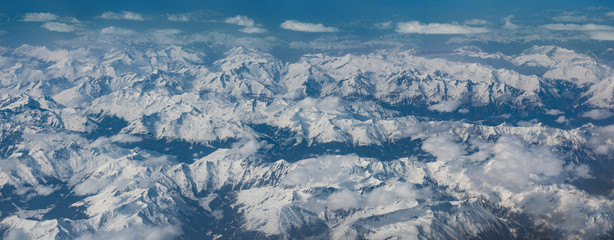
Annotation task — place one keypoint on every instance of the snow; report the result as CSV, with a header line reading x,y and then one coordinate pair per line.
x,y
54,144
564,64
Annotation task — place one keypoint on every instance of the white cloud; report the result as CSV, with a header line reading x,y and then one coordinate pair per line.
x,y
602,140
179,17
59,27
444,147
554,112
123,15
167,36
578,27
249,25
241,21
167,32
246,147
119,138
253,30
610,14
437,28
570,18
332,42
384,25
529,123
47,17
70,19
509,24
507,165
44,190
16,234
478,53
39,17
598,114
514,164
137,232
344,199
561,119
222,39
89,186
445,106
125,138
306,27
392,193
594,31
476,21
116,31
602,35
581,171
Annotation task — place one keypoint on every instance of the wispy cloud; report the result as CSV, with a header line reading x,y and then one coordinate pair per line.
x,y
554,112
181,17
384,25
444,147
252,30
47,17
508,23
330,42
53,22
578,27
249,24
595,31
610,14
598,114
306,27
602,35
602,140
241,21
123,15
445,106
476,21
116,31
568,17
125,138
437,28
136,232
165,32
166,35
39,17
59,27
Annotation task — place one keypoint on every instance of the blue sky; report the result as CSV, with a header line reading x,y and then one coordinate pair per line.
x,y
424,21
322,9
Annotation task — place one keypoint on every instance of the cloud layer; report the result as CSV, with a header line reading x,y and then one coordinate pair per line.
x,y
123,15
578,27
437,28
306,27
595,31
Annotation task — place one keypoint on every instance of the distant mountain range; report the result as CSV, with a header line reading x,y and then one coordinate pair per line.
x,y
163,142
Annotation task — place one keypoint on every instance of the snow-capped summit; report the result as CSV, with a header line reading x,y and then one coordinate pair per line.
x,y
385,144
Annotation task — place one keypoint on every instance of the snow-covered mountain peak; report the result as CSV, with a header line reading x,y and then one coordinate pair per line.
x,y
564,64
375,145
